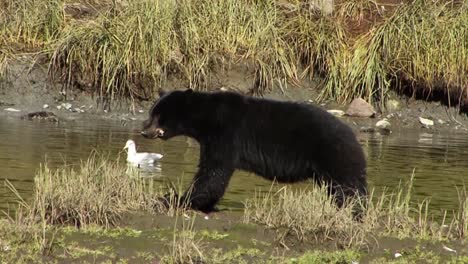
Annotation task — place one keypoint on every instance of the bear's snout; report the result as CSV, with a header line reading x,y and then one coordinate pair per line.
x,y
159,132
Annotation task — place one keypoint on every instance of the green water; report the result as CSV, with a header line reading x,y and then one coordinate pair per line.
x,y
440,161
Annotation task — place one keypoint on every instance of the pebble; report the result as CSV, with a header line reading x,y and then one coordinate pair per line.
x,y
45,106
397,255
336,112
9,109
383,124
426,122
366,129
67,106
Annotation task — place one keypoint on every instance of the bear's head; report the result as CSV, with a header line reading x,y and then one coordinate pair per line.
x,y
169,116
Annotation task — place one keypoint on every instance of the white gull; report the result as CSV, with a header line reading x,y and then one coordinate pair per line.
x,y
142,158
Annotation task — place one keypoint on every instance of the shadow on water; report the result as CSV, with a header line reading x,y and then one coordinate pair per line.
x,y
440,160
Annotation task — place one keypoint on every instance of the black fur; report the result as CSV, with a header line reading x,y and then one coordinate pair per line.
x,y
286,141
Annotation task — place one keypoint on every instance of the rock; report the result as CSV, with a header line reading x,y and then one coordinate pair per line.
x,y
6,104
440,121
360,108
9,109
336,112
397,255
41,115
426,122
67,106
367,129
78,11
141,111
383,124
325,6
45,106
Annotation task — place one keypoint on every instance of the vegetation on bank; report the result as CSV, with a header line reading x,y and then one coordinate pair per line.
x,y
364,48
75,204
312,214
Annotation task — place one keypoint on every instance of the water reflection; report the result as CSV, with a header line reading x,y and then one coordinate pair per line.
x,y
439,160
440,163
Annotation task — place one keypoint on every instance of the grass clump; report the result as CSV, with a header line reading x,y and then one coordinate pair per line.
x,y
185,247
306,214
430,54
132,50
312,215
363,49
97,192
421,48
31,23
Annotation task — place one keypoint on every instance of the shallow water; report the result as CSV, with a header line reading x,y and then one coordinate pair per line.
x,y
440,161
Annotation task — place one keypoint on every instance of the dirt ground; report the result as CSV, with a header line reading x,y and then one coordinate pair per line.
x,y
27,89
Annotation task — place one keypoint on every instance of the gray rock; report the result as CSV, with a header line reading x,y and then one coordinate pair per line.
x,y
41,115
67,106
383,124
367,129
326,6
426,122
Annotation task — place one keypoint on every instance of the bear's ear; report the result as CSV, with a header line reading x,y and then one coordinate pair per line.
x,y
189,91
161,92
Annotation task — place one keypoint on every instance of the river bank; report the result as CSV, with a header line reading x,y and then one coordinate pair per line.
x,y
27,89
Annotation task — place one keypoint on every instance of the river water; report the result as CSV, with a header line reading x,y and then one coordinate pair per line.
x,y
440,161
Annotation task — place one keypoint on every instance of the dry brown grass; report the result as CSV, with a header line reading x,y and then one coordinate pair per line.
x,y
362,49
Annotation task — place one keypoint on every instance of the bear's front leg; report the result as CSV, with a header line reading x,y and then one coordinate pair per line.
x,y
208,186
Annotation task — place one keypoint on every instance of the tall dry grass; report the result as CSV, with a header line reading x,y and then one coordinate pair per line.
x,y
422,47
31,23
360,50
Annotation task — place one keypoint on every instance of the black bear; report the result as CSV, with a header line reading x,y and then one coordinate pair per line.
x,y
283,141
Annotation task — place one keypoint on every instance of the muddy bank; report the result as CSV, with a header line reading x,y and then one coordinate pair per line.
x,y
214,239
27,88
